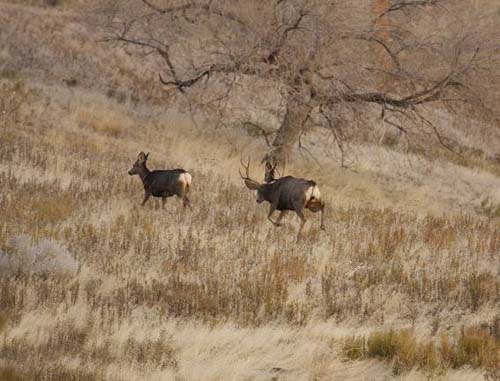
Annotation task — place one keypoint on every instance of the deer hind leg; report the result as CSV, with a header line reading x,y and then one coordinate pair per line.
x,y
300,213
163,200
183,191
322,210
186,202
318,206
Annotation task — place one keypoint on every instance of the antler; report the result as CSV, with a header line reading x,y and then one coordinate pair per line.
x,y
250,183
247,169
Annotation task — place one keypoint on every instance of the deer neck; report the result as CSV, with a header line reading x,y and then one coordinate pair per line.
x,y
267,191
144,172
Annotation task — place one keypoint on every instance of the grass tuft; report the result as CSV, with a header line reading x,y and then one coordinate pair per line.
x,y
475,346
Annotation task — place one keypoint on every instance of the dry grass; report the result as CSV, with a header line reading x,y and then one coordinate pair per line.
x,y
476,346
92,286
140,272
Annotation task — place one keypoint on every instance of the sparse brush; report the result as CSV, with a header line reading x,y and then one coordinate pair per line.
x,y
475,346
97,287
400,346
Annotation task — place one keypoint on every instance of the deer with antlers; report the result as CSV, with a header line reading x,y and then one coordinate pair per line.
x,y
162,183
284,194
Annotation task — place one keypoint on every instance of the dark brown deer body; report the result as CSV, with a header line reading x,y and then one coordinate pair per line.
x,y
162,183
287,193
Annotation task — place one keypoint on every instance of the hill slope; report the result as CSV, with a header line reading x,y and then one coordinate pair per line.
x,y
92,286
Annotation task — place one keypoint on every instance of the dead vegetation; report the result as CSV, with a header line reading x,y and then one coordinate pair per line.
x,y
476,346
405,280
111,263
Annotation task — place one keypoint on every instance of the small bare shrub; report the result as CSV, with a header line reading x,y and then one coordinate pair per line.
x,y
44,256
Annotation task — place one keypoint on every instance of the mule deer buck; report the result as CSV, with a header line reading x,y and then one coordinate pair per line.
x,y
286,193
162,183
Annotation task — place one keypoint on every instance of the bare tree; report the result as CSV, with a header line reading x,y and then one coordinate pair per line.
x,y
320,54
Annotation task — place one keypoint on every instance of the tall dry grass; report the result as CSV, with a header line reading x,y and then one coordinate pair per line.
x,y
96,287
92,286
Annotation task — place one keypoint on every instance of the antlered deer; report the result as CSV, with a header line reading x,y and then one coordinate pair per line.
x,y
162,183
286,193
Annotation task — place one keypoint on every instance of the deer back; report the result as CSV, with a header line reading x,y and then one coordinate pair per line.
x,y
288,193
163,182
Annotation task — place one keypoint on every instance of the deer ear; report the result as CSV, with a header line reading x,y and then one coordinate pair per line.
x,y
269,167
146,156
252,184
141,156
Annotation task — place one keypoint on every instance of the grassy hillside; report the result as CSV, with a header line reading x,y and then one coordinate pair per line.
x,y
404,282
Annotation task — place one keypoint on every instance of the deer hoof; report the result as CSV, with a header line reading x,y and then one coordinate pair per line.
x,y
323,227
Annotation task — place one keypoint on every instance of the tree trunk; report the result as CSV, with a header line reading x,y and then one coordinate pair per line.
x,y
381,27
297,112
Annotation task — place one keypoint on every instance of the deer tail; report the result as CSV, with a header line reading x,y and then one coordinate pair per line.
x,y
185,179
313,192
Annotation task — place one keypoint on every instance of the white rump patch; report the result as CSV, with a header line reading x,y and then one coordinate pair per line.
x,y
313,192
185,178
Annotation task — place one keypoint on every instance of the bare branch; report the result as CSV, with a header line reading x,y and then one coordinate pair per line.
x,y
378,41
403,4
271,58
435,129
181,84
429,94
336,137
206,7
316,59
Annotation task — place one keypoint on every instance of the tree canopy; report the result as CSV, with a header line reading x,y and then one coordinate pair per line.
x,y
336,60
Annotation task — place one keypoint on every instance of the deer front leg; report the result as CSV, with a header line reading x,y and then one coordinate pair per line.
x,y
163,200
146,198
278,221
272,208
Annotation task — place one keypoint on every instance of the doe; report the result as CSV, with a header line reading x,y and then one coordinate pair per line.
x,y
162,183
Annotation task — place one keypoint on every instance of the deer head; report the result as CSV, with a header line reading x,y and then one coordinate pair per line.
x,y
139,164
251,183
